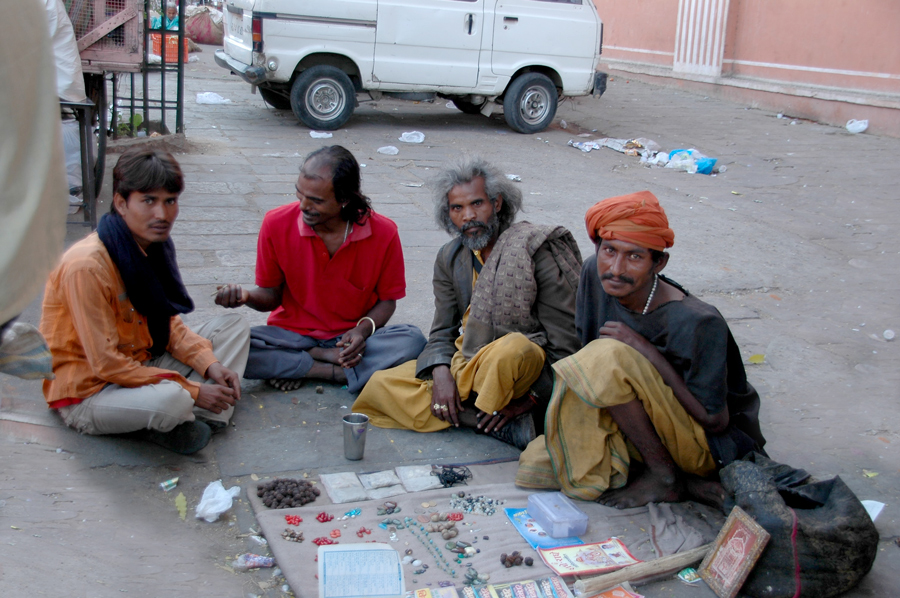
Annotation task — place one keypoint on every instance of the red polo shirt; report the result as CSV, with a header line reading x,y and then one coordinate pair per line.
x,y
326,296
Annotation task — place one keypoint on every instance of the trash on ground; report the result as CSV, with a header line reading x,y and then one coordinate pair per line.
x,y
689,575
857,126
888,335
169,484
514,177
252,561
389,150
413,184
216,500
873,508
259,540
211,97
757,358
450,105
320,135
869,473
563,124
412,137
691,161
181,505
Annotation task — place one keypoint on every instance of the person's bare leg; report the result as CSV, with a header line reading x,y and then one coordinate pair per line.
x,y
322,354
660,480
327,371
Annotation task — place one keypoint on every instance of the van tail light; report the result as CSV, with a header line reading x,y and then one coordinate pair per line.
x,y
257,34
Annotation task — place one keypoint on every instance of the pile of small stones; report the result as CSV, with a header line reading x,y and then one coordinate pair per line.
x,y
479,505
292,535
284,493
515,559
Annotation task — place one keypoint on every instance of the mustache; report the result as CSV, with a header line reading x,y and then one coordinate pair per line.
x,y
471,225
623,278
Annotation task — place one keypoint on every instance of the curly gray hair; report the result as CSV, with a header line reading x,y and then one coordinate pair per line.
x,y
465,170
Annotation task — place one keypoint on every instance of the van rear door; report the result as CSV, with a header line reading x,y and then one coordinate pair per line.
x,y
238,25
428,42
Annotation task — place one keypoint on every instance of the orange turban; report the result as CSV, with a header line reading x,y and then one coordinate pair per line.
x,y
635,218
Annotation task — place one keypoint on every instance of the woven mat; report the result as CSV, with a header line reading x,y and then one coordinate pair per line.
x,y
298,560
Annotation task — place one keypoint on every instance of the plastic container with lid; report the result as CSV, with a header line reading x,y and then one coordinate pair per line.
x,y
558,515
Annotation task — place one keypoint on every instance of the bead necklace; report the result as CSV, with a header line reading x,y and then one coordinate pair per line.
x,y
422,536
650,298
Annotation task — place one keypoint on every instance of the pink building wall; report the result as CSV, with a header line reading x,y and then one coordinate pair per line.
x,y
828,61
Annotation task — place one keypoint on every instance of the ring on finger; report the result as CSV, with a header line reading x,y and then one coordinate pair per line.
x,y
443,407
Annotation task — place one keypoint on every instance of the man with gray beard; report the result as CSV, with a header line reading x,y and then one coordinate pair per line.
x,y
504,297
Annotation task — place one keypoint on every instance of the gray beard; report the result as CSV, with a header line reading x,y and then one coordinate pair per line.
x,y
489,230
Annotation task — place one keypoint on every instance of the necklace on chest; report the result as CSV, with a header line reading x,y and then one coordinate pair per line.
x,y
650,297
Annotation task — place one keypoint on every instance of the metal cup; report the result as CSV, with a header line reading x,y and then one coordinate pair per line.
x,y
355,426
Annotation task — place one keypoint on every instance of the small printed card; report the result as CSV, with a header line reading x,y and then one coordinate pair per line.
x,y
534,534
588,559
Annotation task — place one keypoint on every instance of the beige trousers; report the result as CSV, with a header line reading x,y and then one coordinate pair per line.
x,y
162,406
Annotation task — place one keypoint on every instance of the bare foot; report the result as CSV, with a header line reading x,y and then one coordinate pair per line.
x,y
645,488
285,384
706,491
325,355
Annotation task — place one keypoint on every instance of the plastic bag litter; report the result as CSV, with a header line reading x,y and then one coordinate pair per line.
x,y
514,178
630,147
211,97
389,150
216,500
251,561
412,137
584,146
660,159
857,126
320,135
691,161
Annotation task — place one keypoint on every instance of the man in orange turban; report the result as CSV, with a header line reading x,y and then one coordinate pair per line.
x,y
659,380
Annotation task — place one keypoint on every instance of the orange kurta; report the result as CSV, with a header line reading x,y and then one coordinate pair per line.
x,y
96,336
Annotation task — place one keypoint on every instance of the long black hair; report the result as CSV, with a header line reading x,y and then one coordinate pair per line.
x,y
346,180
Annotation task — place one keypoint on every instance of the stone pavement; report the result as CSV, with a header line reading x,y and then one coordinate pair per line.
x,y
795,243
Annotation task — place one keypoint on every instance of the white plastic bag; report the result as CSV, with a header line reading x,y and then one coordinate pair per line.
x,y
211,97
216,500
857,126
388,150
321,134
412,137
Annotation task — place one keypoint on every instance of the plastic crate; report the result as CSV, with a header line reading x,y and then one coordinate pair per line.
x,y
171,54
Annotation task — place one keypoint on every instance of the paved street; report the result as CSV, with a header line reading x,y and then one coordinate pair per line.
x,y
796,243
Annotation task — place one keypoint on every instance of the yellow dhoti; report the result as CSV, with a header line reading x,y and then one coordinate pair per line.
x,y
500,372
583,452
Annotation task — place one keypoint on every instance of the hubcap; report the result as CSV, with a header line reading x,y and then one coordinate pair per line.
x,y
325,99
533,106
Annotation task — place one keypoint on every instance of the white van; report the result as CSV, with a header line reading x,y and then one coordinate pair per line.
x,y
314,56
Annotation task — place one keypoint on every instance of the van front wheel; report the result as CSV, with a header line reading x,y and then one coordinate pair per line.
x,y
323,97
530,103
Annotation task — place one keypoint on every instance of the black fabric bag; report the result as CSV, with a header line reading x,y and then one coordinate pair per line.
x,y
823,540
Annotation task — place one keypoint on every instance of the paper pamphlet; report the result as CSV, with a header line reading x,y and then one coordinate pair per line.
x,y
360,570
600,557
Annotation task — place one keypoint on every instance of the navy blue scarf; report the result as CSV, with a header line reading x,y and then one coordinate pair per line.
x,y
152,281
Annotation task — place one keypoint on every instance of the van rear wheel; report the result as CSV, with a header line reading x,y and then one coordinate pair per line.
x,y
323,97
530,103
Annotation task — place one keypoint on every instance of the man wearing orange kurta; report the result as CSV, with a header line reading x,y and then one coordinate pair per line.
x,y
123,359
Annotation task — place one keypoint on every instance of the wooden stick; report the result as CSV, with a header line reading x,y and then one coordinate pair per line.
x,y
667,564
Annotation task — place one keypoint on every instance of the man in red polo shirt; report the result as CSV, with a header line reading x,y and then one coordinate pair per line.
x,y
331,271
